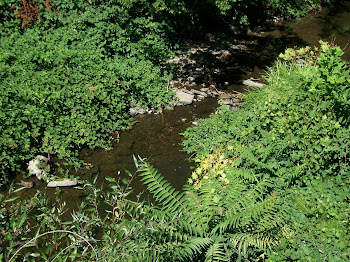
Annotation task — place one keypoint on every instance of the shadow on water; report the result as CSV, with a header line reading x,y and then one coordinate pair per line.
x,y
222,60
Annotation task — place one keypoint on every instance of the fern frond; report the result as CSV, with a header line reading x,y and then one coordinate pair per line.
x,y
204,204
242,241
191,247
216,252
253,211
164,193
190,228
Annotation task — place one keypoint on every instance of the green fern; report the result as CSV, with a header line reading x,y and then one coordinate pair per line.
x,y
220,222
216,252
190,248
163,192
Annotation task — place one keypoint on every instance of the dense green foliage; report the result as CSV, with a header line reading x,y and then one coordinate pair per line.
x,y
179,15
70,70
273,178
295,131
257,11
67,82
264,191
299,127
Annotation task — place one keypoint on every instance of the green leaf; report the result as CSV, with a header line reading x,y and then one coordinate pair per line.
x,y
110,179
19,189
22,219
11,199
35,254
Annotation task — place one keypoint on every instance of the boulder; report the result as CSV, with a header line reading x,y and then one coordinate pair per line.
x,y
225,99
236,100
200,93
184,97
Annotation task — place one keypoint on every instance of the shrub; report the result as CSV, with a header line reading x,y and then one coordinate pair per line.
x,y
296,128
318,227
294,131
70,85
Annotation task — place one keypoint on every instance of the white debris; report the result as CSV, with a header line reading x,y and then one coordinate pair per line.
x,y
39,167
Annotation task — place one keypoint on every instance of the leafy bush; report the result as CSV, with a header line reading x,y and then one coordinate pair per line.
x,y
299,126
319,224
69,85
295,131
257,11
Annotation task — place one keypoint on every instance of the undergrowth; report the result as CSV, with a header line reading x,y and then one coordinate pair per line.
x,y
70,70
272,181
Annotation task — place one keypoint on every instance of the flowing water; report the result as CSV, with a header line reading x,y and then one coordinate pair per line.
x,y
158,137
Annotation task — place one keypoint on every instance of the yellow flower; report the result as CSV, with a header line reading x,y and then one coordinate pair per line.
x,y
199,170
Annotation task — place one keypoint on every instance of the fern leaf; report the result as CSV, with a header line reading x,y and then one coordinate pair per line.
x,y
242,241
164,193
191,247
216,252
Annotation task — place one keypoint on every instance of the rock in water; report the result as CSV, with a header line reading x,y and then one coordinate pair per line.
x,y
226,99
64,182
251,83
184,97
27,184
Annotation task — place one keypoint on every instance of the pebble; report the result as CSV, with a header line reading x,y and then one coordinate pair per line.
x,y
27,184
199,93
